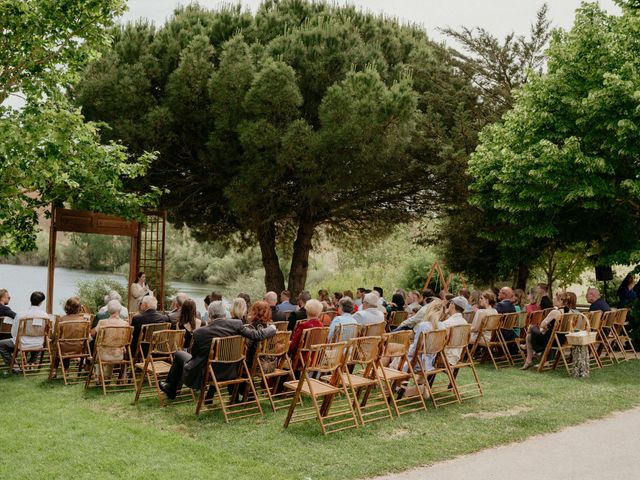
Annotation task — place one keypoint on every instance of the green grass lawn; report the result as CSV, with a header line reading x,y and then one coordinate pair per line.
x,y
51,431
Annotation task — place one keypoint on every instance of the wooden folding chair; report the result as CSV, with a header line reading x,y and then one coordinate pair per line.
x,y
396,347
229,351
345,332
281,326
622,338
558,343
373,330
432,343
468,316
331,415
509,322
491,325
607,327
29,328
5,327
327,317
310,337
395,319
599,353
109,341
363,358
70,342
146,336
271,364
459,339
164,344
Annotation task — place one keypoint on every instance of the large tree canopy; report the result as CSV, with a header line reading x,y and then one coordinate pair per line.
x,y
301,117
48,154
563,166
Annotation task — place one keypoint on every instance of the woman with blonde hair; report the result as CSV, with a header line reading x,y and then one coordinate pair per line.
x,y
239,309
314,309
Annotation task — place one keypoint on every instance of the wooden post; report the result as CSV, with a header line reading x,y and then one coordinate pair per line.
x,y
163,215
133,266
51,264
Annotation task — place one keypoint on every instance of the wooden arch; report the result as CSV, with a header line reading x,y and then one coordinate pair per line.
x,y
444,279
147,251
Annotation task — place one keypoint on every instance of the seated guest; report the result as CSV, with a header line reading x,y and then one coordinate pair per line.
x,y
113,320
428,295
301,312
246,298
626,293
533,299
325,317
323,295
397,303
539,335
486,307
188,321
505,304
176,305
464,292
148,314
217,310
188,369
259,319
382,301
313,309
360,292
205,315
457,306
369,314
335,298
413,302
137,291
474,299
239,310
285,305
572,302
545,301
72,309
344,317
519,300
597,303
112,295
272,299
434,316
7,345
5,311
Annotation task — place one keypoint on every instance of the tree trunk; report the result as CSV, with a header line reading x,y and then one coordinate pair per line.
x,y
300,257
273,277
522,277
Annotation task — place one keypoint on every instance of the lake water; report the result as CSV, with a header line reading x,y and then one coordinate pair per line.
x,y
22,280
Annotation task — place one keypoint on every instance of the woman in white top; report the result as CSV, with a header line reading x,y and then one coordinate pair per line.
x,y
486,306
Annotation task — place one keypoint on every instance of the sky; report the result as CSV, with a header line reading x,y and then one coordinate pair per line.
x,y
500,17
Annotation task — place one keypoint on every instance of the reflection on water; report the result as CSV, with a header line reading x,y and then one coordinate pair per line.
x,y
21,280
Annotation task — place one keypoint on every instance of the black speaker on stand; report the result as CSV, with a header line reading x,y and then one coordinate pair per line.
x,y
604,273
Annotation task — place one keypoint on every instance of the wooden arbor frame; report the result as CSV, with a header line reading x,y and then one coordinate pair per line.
x,y
147,243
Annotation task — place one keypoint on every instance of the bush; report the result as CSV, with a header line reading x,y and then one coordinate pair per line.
x,y
92,292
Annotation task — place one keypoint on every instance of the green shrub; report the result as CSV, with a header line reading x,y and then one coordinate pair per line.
x,y
92,292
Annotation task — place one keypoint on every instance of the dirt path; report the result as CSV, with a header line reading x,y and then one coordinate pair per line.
x,y
598,450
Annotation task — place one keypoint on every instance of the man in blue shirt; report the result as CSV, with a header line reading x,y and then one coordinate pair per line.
x,y
285,305
597,303
505,305
344,317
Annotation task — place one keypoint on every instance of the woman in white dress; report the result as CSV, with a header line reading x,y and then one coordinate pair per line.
x,y
137,291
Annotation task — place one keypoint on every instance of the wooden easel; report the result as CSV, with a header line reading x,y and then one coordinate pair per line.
x,y
446,280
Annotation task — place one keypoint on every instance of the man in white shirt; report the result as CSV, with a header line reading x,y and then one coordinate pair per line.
x,y
369,314
7,346
456,307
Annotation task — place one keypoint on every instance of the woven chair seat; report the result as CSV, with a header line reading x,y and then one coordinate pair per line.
x,y
319,388
392,374
160,366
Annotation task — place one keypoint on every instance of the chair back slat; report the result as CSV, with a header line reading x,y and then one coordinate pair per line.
x,y
73,330
509,321
5,324
582,323
433,341
373,330
147,330
491,323
276,345
345,332
397,317
326,357
281,326
166,342
595,319
621,316
34,327
363,350
314,336
114,337
566,323
608,319
459,336
401,341
534,318
228,349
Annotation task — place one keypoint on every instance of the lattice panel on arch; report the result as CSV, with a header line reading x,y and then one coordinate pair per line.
x,y
151,252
